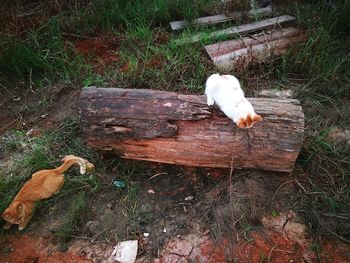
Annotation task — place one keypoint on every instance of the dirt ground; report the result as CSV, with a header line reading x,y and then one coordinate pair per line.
x,y
263,246
171,203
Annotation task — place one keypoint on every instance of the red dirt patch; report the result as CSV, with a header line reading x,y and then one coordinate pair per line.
x,y
265,246
334,251
100,51
155,63
22,248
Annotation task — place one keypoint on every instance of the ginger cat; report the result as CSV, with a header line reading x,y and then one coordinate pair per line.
x,y
226,92
42,185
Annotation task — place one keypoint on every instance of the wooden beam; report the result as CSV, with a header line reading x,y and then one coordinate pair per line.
x,y
181,129
252,49
270,23
217,19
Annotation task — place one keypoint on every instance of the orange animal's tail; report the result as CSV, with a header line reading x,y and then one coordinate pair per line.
x,y
70,160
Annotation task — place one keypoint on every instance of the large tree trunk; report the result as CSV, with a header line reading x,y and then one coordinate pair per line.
x,y
181,129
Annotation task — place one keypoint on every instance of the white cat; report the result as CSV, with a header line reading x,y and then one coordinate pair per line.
x,y
226,92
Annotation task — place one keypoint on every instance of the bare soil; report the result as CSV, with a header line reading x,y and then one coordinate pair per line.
x,y
100,51
23,108
170,203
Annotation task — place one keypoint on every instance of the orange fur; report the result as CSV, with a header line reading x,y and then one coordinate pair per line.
x,y
42,185
249,121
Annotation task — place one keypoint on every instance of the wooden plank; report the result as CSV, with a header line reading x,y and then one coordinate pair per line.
x,y
255,50
270,23
213,20
181,129
229,46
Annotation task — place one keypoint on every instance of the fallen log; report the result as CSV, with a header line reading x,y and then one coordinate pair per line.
x,y
174,128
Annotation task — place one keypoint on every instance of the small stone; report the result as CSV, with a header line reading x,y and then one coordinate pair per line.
x,y
189,198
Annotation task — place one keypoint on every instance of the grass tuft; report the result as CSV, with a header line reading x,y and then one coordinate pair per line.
x,y
74,217
325,58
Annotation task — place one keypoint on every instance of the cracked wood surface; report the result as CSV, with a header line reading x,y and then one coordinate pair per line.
x,y
181,129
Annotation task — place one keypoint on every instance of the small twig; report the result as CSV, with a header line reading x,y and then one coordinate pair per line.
x,y
183,204
337,216
272,249
30,80
340,237
284,251
81,237
153,176
75,35
9,124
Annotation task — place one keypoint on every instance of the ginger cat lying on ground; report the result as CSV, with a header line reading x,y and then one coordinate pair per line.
x,y
42,185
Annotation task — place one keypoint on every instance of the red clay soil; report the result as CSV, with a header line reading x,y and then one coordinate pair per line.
x,y
271,245
100,51
265,246
25,248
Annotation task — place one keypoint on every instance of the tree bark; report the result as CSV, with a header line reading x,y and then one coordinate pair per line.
x,y
174,128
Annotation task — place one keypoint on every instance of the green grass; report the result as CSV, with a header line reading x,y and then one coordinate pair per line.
x,y
111,14
323,65
325,58
74,215
44,56
320,73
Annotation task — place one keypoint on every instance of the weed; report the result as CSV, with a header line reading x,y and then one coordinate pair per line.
x,y
323,64
114,13
227,211
44,52
74,216
324,58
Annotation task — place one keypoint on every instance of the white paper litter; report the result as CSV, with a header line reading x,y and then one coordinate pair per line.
x,y
125,251
189,198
